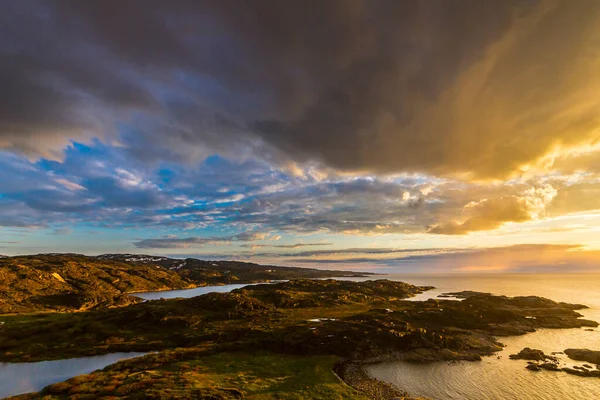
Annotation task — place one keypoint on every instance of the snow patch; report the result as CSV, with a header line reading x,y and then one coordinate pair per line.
x,y
179,266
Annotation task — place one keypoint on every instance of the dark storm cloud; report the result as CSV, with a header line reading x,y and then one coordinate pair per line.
x,y
436,86
57,84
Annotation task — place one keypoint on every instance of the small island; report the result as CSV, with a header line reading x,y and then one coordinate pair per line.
x,y
307,337
538,360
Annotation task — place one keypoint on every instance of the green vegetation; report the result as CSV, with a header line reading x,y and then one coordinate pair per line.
x,y
186,374
216,342
252,316
69,282
223,272
73,282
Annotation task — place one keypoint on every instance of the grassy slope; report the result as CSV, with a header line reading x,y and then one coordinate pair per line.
x,y
260,340
72,282
220,272
190,374
249,317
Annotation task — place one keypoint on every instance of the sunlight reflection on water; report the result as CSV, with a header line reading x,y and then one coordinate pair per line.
x,y
505,379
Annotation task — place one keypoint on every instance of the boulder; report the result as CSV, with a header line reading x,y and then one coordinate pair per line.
x,y
582,372
549,366
531,354
591,356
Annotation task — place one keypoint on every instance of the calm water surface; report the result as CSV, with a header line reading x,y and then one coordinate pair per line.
x,y
18,378
186,293
505,379
490,379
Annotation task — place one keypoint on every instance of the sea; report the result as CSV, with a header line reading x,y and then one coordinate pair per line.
x,y
494,378
497,377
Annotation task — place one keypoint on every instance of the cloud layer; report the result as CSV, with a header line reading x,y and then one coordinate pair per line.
x,y
482,89
268,127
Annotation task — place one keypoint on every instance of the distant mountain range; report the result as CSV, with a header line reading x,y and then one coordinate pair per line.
x,y
75,282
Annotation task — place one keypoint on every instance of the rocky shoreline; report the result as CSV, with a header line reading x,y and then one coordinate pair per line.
x,y
73,282
354,375
359,322
537,360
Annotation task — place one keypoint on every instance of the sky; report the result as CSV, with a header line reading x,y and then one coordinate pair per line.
x,y
395,136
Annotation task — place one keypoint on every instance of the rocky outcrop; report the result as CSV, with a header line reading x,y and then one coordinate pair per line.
x,y
463,294
303,293
591,356
582,372
360,321
74,282
205,272
549,366
354,375
531,354
540,361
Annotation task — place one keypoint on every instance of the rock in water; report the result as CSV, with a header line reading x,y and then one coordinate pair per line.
x,y
592,356
531,354
582,372
549,366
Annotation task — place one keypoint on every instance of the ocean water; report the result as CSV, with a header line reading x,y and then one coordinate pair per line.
x,y
501,378
490,379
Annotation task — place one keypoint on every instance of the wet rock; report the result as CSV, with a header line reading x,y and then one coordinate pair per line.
x,y
582,372
463,294
549,366
531,354
591,356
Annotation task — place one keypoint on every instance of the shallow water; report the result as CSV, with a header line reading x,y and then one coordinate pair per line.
x,y
186,293
505,379
18,378
490,379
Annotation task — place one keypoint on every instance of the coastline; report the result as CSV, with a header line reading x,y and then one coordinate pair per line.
x,y
354,375
355,324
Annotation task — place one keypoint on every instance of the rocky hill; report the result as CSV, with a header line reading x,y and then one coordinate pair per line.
x,y
74,282
220,272
274,341
70,282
